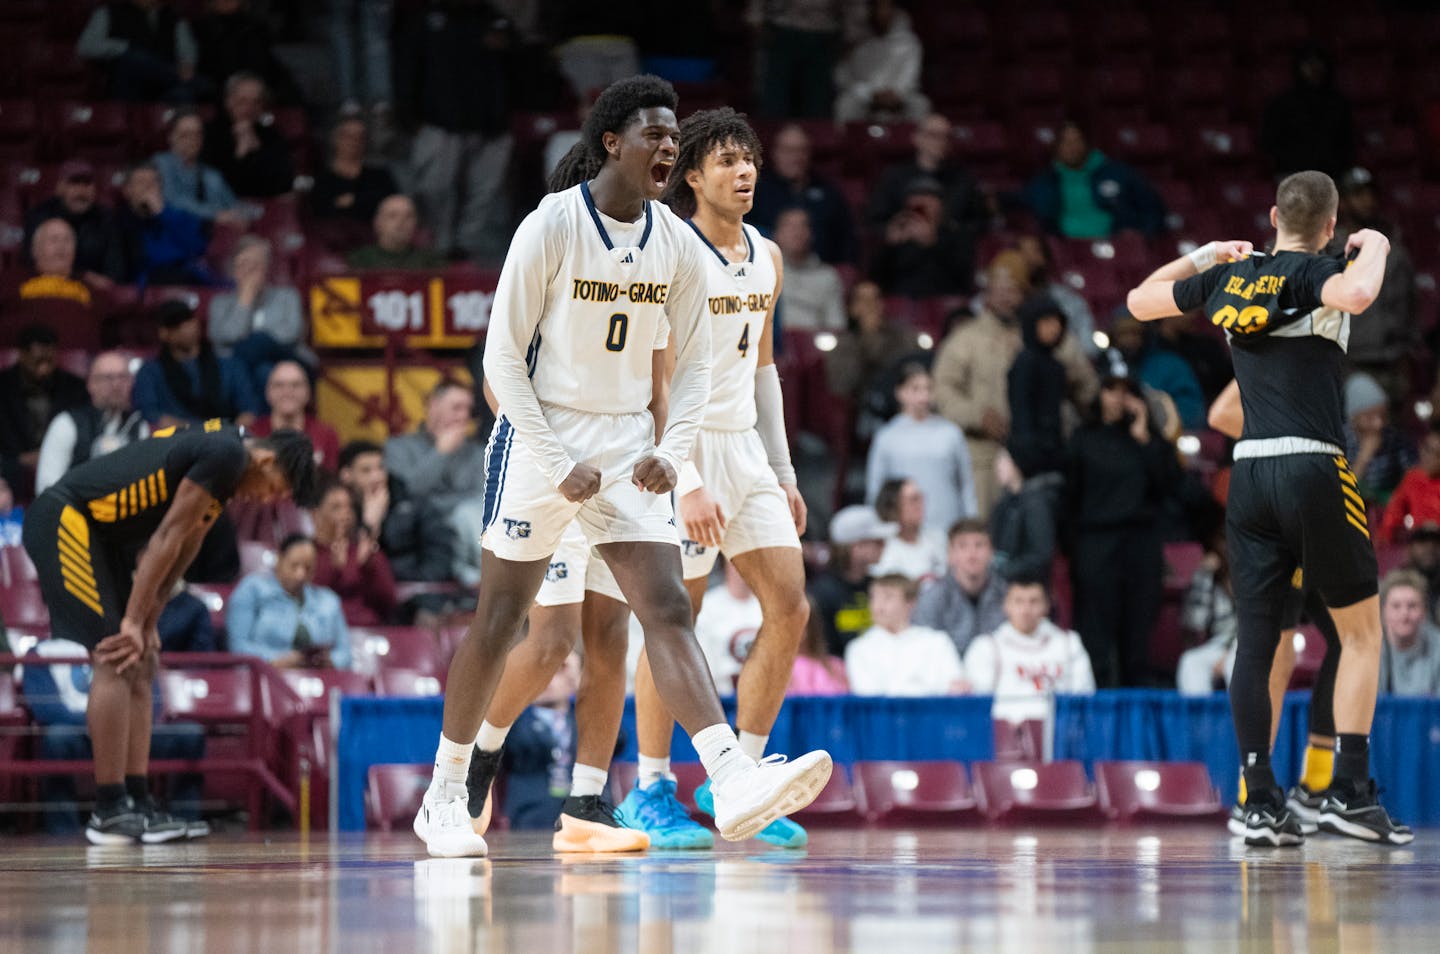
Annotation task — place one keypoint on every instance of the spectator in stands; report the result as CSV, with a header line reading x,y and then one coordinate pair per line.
x,y
441,462
539,754
52,248
348,191
878,80
164,245
57,695
787,180
916,550
1379,453
817,672
866,354
147,50
1079,320
370,84
188,382
799,45
108,422
726,626
452,79
895,657
231,39
1027,658
287,391
12,523
922,446
282,617
259,323
1383,336
963,198
923,251
99,252
1410,663
1158,367
970,379
413,532
969,600
1023,525
1084,194
814,298
348,561
1208,617
1422,554
1120,471
249,152
857,538
1036,389
32,391
184,625
1417,500
394,248
187,183
1309,126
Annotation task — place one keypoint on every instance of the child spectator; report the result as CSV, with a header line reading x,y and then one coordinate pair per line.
x,y
1417,500
817,672
895,658
280,616
920,445
916,552
1027,658
1410,663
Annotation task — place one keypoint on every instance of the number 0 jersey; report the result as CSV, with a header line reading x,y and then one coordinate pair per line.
x,y
738,299
1288,349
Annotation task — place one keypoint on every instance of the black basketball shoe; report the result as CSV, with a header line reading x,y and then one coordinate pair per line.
x,y
1305,806
1360,815
483,768
118,824
1269,824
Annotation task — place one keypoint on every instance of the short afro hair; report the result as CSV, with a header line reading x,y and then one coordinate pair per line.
x,y
614,110
700,134
295,458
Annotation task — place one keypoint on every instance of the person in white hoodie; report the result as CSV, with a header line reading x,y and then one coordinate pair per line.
x,y
879,80
1027,658
894,658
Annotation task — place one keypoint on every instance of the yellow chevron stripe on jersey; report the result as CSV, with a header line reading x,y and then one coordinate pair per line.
x,y
73,521
164,491
1358,526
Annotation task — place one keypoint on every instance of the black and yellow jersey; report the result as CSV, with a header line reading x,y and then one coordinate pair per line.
x,y
125,494
1288,349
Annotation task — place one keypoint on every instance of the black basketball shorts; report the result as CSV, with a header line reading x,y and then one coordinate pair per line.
x,y
86,584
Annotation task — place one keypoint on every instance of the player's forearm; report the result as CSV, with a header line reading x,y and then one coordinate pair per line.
x,y
155,573
167,585
508,379
770,422
689,394
1173,271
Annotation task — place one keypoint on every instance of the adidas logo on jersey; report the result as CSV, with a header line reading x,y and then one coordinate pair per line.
x,y
517,529
557,572
629,259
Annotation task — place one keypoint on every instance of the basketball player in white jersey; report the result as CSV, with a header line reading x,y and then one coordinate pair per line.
x,y
737,494
588,284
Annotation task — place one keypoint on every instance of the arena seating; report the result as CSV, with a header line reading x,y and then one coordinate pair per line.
x,y
1033,789
1129,790
914,791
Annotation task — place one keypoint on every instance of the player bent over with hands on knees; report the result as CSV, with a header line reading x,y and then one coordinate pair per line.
x,y
1293,499
592,279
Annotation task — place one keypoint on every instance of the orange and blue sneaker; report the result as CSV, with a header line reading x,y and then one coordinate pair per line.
x,y
587,823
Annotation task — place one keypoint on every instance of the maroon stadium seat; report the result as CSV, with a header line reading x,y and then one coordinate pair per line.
x,y
313,686
1018,741
837,801
393,794
909,790
408,683
214,696
1158,789
22,605
99,131
404,647
1309,655
1181,561
19,129
1039,788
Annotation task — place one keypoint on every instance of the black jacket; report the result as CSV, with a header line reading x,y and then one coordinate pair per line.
x,y
1023,528
19,432
417,538
98,246
452,68
1113,481
1036,388
264,173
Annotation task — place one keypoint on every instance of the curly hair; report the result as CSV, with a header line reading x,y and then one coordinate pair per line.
x,y
701,133
614,110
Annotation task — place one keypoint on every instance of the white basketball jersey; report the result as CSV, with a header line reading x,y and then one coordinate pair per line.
x,y
605,288
738,296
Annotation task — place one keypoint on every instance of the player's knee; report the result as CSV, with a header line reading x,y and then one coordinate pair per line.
x,y
787,616
496,627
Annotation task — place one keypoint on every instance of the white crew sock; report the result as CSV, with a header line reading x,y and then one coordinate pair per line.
x,y
587,780
491,737
753,745
452,763
653,770
720,752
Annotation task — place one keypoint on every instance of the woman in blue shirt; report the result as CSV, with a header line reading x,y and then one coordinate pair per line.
x,y
188,183
280,617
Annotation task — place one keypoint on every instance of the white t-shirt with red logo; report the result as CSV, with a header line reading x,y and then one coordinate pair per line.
x,y
1022,671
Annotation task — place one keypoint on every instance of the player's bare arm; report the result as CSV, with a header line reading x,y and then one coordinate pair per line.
x,y
1227,415
1356,288
1155,296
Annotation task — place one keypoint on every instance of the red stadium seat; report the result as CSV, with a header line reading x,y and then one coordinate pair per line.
x,y
314,686
1181,561
914,790
19,129
1018,741
213,696
393,794
100,131
255,557
1057,789
407,683
22,605
1310,651
837,801
214,596
1167,639
403,647
1156,789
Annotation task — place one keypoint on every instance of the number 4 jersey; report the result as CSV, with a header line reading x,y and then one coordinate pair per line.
x,y
1288,349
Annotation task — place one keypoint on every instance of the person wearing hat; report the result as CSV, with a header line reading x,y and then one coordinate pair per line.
x,y
187,382
1417,500
857,539
1379,453
99,253
1383,335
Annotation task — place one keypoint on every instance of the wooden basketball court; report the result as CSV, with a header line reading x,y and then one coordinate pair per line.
x,y
1187,888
